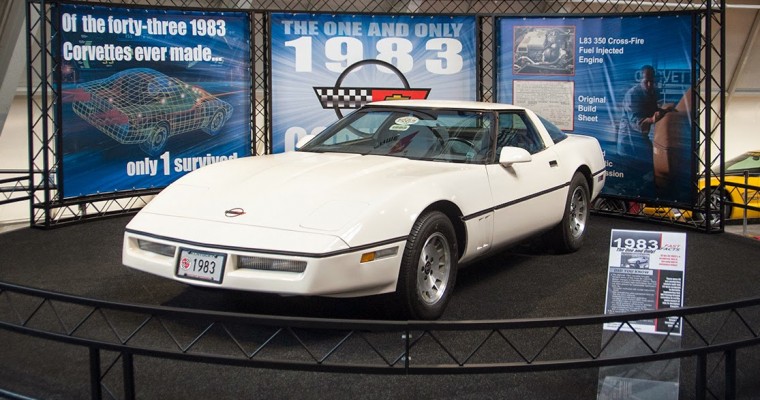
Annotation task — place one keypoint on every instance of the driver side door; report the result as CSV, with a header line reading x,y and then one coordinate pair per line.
x,y
528,196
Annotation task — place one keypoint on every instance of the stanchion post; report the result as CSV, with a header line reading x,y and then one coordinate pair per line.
x,y
95,392
127,365
701,379
731,374
746,202
407,336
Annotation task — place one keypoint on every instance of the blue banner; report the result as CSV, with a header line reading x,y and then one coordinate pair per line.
x,y
149,95
624,80
324,66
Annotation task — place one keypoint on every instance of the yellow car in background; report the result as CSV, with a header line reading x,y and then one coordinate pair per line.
x,y
735,169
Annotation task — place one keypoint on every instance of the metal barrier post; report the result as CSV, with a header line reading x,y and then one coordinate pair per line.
x,y
407,348
746,202
95,392
701,379
731,374
128,370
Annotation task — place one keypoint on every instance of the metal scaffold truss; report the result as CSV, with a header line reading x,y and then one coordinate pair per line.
x,y
49,208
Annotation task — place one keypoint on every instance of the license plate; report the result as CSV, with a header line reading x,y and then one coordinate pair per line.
x,y
201,265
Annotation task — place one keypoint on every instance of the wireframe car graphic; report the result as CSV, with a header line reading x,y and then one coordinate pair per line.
x,y
392,198
145,107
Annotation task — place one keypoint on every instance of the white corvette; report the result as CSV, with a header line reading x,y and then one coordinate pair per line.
x,y
394,197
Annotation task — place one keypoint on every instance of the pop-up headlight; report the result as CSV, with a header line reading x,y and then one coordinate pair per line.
x,y
270,264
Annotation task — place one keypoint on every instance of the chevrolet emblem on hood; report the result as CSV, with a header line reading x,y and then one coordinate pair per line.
x,y
234,212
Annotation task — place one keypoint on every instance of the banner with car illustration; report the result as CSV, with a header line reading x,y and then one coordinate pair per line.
x,y
624,80
325,66
149,95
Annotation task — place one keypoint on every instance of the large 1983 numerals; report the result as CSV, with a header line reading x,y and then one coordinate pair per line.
x,y
446,58
637,244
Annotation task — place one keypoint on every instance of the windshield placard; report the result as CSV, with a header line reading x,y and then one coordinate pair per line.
x,y
407,120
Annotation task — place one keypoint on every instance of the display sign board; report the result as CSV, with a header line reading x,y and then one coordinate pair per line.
x,y
149,95
325,65
645,273
624,80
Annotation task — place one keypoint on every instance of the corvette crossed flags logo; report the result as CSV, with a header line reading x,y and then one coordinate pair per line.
x,y
337,97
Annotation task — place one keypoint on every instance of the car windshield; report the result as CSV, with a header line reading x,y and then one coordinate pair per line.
x,y
749,161
417,134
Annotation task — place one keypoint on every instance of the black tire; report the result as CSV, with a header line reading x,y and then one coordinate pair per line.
x,y
568,235
428,267
615,206
714,198
156,142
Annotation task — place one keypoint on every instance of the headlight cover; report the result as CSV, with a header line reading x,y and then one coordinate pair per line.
x,y
270,264
165,250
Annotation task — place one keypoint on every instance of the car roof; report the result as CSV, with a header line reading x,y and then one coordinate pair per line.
x,y
450,104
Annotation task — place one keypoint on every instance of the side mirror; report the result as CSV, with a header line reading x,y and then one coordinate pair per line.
x,y
513,155
302,141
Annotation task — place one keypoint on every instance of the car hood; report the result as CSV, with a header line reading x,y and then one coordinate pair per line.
x,y
298,191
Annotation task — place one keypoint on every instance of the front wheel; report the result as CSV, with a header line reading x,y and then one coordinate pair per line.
x,y
428,267
568,235
216,123
713,201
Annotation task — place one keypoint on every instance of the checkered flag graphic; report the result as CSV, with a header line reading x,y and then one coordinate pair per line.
x,y
332,97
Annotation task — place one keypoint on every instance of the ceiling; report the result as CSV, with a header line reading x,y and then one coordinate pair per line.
x,y
742,25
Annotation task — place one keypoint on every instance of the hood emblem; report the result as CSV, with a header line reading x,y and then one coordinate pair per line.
x,y
234,212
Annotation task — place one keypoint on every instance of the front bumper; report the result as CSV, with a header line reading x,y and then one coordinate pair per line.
x,y
335,274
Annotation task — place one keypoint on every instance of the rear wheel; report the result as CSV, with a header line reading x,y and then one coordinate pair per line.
x,y
428,267
616,206
568,235
156,140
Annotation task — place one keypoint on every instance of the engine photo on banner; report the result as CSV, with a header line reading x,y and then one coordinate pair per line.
x,y
145,107
544,50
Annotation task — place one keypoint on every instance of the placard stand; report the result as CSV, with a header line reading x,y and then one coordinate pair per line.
x,y
645,273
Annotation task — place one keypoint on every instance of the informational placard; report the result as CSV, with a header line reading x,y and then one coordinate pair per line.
x,y
327,65
624,80
149,95
646,273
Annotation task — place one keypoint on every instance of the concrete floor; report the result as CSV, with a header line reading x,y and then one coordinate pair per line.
x,y
13,156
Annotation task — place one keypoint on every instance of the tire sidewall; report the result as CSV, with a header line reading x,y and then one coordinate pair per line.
x,y
705,199
570,242
428,224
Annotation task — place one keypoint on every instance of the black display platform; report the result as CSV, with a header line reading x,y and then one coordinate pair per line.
x,y
523,282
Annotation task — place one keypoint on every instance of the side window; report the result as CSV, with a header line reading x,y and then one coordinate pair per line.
x,y
514,131
556,134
